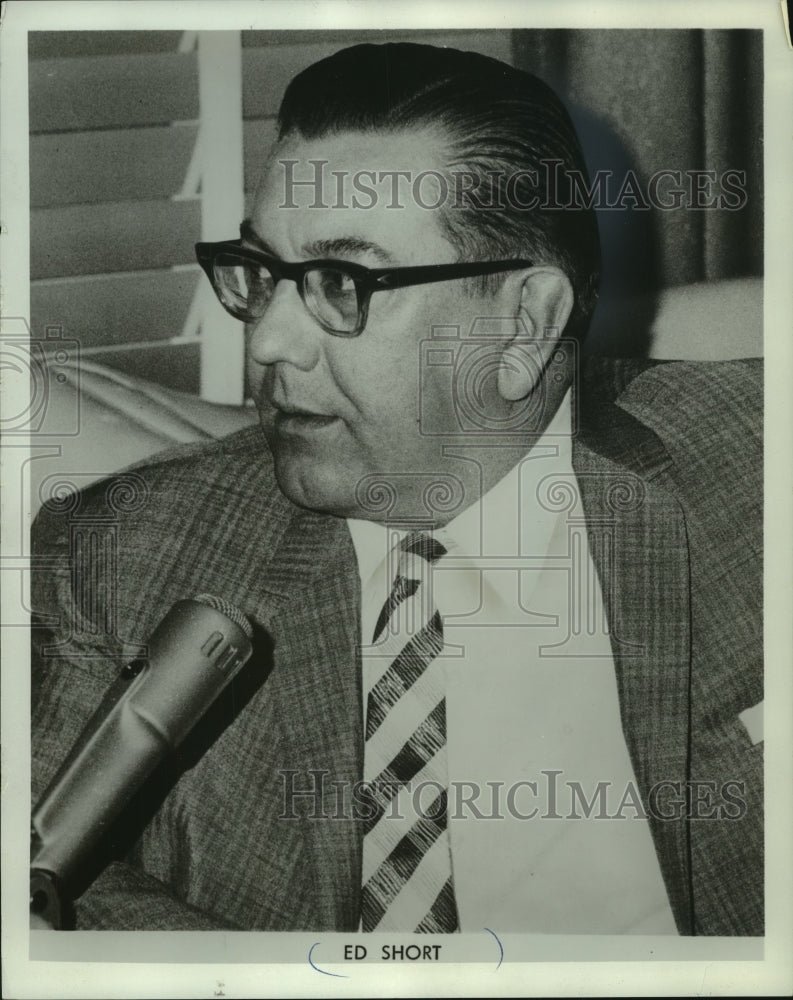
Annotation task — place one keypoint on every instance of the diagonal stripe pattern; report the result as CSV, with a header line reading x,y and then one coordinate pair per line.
x,y
407,876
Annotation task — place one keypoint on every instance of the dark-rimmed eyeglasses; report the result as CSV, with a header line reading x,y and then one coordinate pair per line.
x,y
335,292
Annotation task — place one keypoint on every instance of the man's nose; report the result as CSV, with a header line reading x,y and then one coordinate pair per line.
x,y
285,332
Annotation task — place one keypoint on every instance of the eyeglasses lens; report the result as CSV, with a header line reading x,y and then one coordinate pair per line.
x,y
331,296
245,288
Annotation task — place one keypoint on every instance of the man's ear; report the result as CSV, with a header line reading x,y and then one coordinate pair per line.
x,y
544,301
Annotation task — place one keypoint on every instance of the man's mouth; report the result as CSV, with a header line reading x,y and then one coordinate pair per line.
x,y
289,417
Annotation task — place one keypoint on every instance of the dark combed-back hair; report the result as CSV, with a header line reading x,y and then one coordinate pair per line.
x,y
499,122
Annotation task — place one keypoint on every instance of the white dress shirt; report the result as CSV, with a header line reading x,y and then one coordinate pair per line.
x,y
530,691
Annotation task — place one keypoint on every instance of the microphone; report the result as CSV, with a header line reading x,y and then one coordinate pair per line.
x,y
193,654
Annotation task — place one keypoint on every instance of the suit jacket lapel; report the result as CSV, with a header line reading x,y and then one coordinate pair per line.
x,y
637,536
315,630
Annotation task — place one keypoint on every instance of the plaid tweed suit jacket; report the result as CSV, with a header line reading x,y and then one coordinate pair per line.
x,y
668,459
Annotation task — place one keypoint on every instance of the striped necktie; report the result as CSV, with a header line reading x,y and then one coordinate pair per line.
x,y
407,877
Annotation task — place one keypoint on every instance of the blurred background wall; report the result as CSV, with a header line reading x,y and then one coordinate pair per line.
x,y
144,142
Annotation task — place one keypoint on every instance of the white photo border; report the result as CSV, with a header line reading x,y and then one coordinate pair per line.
x,y
123,965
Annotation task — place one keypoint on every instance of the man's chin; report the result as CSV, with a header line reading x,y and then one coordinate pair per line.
x,y
310,486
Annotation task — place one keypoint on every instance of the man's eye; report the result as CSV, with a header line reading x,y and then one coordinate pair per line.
x,y
336,284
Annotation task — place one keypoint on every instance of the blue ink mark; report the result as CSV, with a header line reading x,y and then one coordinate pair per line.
x,y
500,946
338,975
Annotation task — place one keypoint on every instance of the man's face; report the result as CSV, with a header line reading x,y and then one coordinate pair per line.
x,y
336,409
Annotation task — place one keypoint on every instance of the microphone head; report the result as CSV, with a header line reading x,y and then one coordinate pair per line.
x,y
192,656
228,609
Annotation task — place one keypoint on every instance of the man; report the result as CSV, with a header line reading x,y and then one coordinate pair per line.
x,y
506,605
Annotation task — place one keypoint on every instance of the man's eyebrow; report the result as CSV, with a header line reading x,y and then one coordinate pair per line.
x,y
346,245
337,246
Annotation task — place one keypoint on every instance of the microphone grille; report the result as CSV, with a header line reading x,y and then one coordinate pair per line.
x,y
228,609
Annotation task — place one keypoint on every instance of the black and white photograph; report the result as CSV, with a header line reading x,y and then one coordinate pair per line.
x,y
396,499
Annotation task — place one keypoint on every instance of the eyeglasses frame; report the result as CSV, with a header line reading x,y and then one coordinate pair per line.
x,y
367,280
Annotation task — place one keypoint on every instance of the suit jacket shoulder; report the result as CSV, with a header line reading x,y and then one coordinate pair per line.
x,y
681,401
696,427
